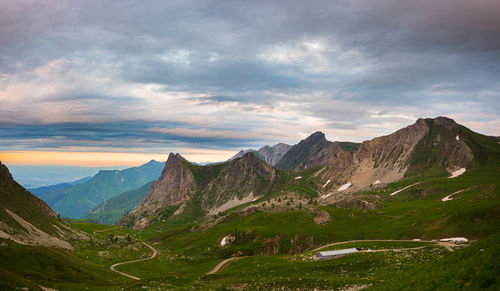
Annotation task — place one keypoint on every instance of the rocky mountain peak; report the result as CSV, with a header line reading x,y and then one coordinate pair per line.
x,y
317,136
174,186
5,176
445,122
299,154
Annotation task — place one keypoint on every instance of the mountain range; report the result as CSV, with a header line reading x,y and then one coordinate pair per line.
x,y
270,155
436,146
75,201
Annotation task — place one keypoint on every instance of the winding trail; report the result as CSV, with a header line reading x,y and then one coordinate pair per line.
x,y
446,246
103,230
402,189
112,267
369,240
397,250
219,265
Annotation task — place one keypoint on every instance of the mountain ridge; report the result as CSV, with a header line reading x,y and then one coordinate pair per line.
x,y
77,200
27,220
269,154
219,187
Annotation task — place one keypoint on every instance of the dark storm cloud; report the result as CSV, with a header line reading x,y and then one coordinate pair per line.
x,y
361,58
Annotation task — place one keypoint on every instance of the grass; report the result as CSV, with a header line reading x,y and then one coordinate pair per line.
x,y
117,207
90,227
31,266
472,268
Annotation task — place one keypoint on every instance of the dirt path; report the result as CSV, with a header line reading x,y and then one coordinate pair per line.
x,y
219,265
103,230
112,267
369,240
446,246
397,250
402,189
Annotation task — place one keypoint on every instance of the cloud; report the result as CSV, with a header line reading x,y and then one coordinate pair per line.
x,y
216,74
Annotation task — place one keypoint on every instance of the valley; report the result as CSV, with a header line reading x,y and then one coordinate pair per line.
x,y
247,225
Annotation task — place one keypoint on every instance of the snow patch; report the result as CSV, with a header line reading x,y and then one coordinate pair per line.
x,y
226,240
376,182
327,182
233,203
297,178
448,198
344,187
457,173
457,138
327,195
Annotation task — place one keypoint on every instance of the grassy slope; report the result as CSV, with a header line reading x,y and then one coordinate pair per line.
x,y
26,205
116,207
31,266
472,268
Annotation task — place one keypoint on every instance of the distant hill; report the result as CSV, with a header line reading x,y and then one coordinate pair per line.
x,y
110,211
26,219
270,155
78,200
57,187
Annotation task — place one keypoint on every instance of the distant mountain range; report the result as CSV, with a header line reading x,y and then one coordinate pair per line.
x,y
270,155
41,191
429,147
110,211
75,201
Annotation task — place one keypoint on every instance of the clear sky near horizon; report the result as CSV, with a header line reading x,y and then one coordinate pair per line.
x,y
118,83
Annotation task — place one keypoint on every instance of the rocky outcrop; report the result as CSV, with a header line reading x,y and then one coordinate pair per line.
x,y
409,151
443,147
270,155
216,187
5,176
248,177
175,184
299,156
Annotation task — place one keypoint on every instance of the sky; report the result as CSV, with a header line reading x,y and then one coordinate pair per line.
x,y
118,83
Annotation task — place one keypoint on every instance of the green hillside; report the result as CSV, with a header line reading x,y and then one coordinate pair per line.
x,y
17,200
77,201
115,208
34,266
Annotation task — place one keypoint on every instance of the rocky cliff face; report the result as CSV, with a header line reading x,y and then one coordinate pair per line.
x,y
425,144
217,187
5,176
299,156
175,184
272,155
238,182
